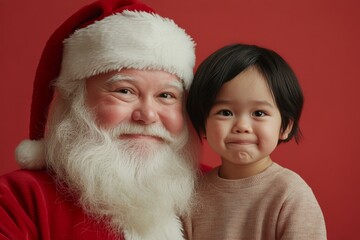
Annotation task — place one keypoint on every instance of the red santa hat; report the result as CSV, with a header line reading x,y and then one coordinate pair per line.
x,y
103,36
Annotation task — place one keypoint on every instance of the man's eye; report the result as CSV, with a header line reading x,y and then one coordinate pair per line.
x,y
225,113
124,91
259,113
166,95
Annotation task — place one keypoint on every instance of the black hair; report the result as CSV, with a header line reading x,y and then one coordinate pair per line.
x,y
225,64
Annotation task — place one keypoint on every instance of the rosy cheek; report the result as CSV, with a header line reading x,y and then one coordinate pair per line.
x,y
178,125
109,117
174,122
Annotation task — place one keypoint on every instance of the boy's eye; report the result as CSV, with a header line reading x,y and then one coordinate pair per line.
x,y
225,113
259,113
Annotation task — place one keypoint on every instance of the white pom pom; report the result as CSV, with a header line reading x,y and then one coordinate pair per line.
x,y
30,154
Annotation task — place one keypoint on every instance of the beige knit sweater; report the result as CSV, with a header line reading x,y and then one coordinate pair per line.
x,y
275,204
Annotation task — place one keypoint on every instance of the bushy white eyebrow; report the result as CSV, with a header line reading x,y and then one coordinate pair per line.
x,y
119,77
176,83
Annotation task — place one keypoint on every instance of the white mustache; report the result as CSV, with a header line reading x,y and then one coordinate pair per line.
x,y
149,130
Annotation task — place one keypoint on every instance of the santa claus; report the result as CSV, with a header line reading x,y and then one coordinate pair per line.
x,y
113,158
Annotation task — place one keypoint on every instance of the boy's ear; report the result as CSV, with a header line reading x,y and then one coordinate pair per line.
x,y
284,134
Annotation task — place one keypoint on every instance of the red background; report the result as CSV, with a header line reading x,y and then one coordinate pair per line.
x,y
320,40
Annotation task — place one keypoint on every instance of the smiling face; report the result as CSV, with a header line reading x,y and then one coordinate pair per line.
x,y
143,97
243,126
127,130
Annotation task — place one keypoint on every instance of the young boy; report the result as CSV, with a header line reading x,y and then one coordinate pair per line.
x,y
245,100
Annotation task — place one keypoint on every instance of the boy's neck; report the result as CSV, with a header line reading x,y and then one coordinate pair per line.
x,y
236,171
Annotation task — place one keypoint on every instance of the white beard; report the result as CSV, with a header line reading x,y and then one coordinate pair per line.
x,y
139,187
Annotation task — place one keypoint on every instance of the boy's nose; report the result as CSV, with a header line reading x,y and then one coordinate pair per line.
x,y
242,125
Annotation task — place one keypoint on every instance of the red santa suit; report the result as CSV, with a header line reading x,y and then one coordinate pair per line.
x,y
32,208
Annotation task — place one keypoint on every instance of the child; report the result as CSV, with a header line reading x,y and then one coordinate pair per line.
x,y
245,100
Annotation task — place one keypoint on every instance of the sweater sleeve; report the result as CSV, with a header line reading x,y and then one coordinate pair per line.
x,y
301,217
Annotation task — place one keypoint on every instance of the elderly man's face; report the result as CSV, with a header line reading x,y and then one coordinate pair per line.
x,y
144,97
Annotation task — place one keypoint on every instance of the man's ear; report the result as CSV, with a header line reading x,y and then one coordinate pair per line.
x,y
284,134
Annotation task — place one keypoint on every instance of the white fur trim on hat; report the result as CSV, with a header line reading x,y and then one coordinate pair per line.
x,y
30,154
130,39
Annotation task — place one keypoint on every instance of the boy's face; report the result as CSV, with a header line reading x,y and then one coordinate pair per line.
x,y
243,126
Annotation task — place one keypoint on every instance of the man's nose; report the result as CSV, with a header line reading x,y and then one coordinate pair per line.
x,y
145,113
